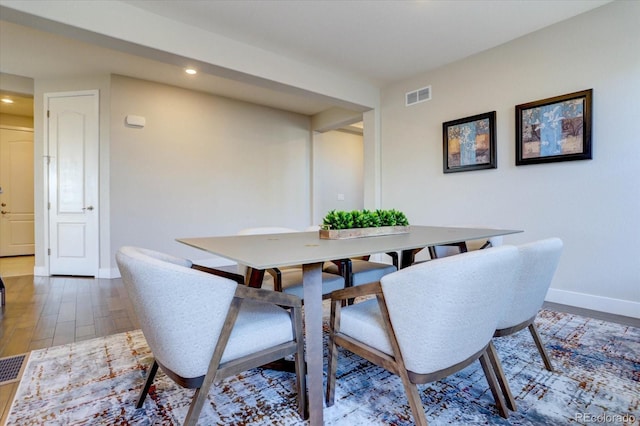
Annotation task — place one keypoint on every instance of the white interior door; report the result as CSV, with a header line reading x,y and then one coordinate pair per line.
x,y
16,192
73,143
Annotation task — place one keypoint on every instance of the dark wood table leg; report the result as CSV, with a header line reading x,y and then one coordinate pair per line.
x,y
2,291
407,258
255,277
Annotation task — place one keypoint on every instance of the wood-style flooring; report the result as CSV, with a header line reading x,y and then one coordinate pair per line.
x,y
48,311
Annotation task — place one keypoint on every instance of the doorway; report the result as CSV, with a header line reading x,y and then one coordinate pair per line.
x,y
16,175
16,192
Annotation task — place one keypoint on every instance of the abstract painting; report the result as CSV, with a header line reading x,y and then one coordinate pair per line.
x,y
469,143
554,129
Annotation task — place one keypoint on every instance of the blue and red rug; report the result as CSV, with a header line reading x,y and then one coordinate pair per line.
x,y
96,382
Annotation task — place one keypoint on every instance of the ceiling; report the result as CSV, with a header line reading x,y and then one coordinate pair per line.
x,y
380,42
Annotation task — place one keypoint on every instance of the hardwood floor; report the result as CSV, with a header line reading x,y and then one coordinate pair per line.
x,y
48,311
16,265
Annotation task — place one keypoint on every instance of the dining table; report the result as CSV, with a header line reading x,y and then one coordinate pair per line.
x,y
264,251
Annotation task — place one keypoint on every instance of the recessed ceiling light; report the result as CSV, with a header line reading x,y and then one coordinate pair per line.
x,y
190,71
7,100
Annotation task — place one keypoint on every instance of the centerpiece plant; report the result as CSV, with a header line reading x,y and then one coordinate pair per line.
x,y
339,219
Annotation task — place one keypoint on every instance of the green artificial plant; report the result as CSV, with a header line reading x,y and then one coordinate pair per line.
x,y
339,219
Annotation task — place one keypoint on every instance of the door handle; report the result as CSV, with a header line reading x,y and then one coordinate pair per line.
x,y
4,212
88,208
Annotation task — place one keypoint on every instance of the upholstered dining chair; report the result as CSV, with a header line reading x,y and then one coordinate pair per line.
x,y
445,250
539,263
360,270
288,279
202,328
436,252
427,321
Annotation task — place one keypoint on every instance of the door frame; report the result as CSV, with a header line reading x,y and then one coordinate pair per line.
x,y
45,174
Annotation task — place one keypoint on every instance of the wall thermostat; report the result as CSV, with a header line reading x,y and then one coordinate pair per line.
x,y
135,121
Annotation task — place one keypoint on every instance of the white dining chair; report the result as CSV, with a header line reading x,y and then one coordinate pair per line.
x,y
360,270
436,252
540,260
445,250
427,321
288,279
202,328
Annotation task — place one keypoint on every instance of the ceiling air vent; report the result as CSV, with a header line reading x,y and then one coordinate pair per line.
x,y
415,97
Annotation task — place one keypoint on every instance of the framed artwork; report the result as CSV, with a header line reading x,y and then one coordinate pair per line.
x,y
469,143
554,129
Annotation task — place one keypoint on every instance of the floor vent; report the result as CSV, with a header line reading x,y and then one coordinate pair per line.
x,y
11,368
420,95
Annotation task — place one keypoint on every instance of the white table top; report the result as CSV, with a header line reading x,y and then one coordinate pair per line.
x,y
272,250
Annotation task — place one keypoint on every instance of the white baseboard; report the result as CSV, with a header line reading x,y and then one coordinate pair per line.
x,y
596,303
108,273
40,271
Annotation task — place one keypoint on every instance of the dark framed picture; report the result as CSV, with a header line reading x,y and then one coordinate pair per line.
x,y
554,129
469,143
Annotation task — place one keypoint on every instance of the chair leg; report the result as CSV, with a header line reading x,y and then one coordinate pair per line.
x,y
493,385
432,252
200,395
300,367
492,354
332,358
197,402
332,365
536,338
147,384
301,384
415,403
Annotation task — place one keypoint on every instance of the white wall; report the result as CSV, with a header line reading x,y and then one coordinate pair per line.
x,y
338,160
16,84
592,205
202,165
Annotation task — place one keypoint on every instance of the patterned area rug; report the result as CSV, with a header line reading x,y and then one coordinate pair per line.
x,y
96,382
